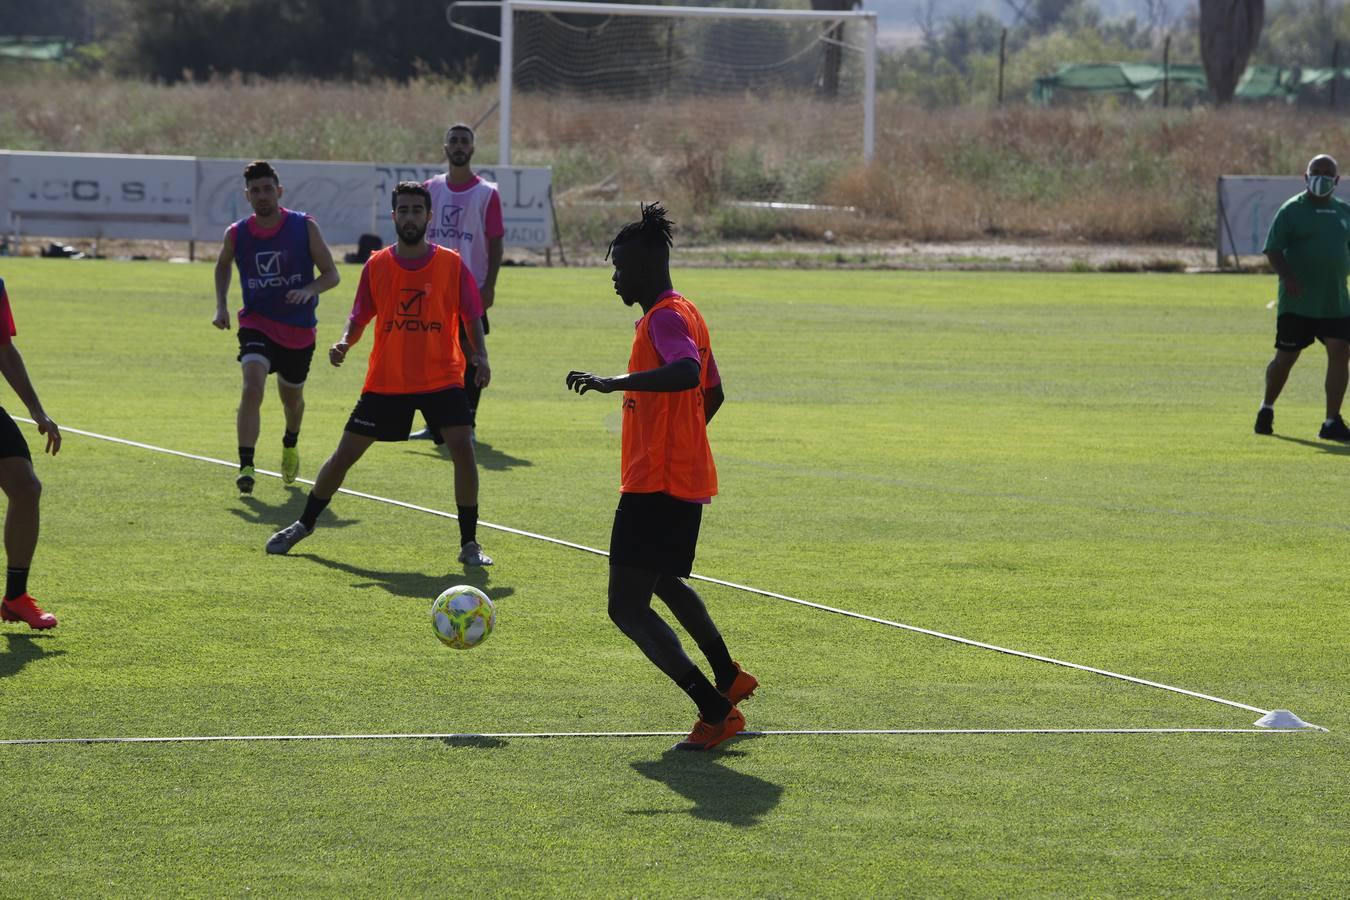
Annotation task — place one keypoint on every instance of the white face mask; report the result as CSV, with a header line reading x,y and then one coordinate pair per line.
x,y
1321,185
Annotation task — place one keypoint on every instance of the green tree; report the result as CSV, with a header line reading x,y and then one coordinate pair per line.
x,y
1044,16
175,39
1303,32
70,19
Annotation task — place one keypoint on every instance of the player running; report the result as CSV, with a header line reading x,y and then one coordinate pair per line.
x,y
19,482
419,293
276,250
671,392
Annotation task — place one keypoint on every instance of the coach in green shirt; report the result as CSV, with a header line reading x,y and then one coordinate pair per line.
x,y
1307,248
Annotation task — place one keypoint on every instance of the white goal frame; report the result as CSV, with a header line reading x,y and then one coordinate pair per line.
x,y
868,48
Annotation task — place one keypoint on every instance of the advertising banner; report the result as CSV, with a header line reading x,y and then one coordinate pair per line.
x,y
99,196
341,196
189,198
1246,206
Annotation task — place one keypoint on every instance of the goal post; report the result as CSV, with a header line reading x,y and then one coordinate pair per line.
x,y
867,47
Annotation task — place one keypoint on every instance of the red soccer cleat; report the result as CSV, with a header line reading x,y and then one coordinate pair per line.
x,y
742,687
24,608
706,736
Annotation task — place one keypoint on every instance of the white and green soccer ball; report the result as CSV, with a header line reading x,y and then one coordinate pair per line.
x,y
463,617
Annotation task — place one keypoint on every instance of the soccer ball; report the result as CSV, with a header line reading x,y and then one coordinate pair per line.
x,y
463,617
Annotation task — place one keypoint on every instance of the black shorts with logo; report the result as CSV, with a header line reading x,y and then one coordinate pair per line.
x,y
291,366
656,532
11,438
1294,332
388,417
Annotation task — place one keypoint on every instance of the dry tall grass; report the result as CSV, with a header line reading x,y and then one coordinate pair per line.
x,y
1102,174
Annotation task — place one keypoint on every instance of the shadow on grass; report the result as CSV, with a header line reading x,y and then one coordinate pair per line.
x,y
488,458
23,649
258,511
719,794
496,460
474,742
419,585
1335,449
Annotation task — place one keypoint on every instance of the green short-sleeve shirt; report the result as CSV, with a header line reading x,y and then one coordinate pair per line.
x,y
1313,238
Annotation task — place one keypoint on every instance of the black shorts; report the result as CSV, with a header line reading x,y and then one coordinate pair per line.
x,y
1294,332
656,532
291,366
388,417
11,438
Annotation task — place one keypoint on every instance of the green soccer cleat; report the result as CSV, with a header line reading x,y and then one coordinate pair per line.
x,y
290,464
244,481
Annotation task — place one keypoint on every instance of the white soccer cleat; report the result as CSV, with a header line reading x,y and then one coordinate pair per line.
x,y
471,554
288,537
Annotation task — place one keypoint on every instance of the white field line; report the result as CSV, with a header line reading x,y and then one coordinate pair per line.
x,y
504,735
696,577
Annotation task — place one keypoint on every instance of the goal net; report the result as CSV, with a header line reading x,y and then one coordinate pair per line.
x,y
631,54
674,56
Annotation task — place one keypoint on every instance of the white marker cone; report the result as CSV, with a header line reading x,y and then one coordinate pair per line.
x,y
1281,718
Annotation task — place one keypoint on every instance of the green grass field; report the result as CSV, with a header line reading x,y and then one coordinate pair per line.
x,y
1059,464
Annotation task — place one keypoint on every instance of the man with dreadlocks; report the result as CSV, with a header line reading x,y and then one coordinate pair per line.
x,y
671,392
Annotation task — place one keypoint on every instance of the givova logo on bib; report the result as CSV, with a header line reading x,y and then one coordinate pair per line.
x,y
268,264
408,312
451,217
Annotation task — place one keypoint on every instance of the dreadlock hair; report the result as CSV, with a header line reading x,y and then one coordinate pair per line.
x,y
652,232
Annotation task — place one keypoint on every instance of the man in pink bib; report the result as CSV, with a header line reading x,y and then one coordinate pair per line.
x,y
466,216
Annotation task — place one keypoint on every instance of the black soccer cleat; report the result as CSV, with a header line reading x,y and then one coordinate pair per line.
x,y
1265,420
245,480
1335,430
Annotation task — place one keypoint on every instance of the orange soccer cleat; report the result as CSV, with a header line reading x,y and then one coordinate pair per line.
x,y
742,687
24,608
706,736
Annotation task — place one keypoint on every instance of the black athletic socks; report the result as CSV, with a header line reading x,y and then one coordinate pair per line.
x,y
313,506
290,438
712,706
725,676
16,582
468,524
688,608
245,457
